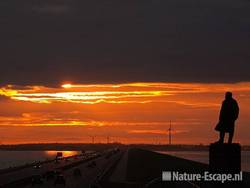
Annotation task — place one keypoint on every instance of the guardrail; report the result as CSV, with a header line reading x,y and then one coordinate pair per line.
x,y
106,171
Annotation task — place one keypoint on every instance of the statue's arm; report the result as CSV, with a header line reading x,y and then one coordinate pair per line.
x,y
237,110
221,111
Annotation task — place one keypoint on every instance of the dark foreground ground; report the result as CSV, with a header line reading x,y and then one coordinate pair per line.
x,y
118,168
144,169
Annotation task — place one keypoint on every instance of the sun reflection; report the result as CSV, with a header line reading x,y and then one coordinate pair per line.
x,y
64,153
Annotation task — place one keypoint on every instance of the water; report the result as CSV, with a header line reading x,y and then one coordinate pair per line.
x,y
17,158
202,156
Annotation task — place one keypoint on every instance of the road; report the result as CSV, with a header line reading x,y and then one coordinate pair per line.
x,y
66,168
89,174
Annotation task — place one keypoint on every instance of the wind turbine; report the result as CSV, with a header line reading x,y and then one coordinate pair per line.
x,y
170,133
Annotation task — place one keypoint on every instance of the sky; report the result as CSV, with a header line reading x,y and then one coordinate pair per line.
x,y
126,113
130,66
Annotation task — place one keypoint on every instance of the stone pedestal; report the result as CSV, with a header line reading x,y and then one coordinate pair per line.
x,y
225,158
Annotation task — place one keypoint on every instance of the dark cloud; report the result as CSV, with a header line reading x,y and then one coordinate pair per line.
x,y
50,41
19,87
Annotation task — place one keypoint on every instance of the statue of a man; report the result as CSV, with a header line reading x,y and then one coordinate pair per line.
x,y
228,115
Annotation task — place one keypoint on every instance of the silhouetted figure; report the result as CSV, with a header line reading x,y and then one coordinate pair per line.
x,y
228,115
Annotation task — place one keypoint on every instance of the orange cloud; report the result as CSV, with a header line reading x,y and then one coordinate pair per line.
x,y
131,111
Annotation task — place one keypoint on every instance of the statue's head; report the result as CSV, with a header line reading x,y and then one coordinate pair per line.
x,y
228,95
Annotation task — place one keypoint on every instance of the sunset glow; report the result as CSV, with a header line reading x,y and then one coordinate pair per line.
x,y
130,112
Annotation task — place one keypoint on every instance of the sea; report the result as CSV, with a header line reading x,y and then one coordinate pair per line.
x,y
16,158
203,157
